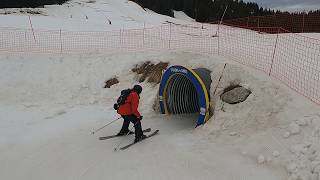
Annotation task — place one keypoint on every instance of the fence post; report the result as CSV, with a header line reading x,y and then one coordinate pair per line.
x,y
144,27
60,42
303,21
169,36
120,38
259,24
274,52
218,39
34,37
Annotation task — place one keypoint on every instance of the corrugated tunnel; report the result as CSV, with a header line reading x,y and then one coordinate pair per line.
x,y
183,90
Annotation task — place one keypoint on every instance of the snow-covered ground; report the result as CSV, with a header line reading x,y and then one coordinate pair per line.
x,y
181,15
81,15
49,104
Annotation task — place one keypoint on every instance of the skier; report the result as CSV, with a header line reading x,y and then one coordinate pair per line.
x,y
129,112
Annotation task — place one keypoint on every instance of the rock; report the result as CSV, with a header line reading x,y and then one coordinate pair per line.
x,y
236,95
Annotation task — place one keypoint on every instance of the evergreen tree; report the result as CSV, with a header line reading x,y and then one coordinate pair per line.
x,y
207,10
28,3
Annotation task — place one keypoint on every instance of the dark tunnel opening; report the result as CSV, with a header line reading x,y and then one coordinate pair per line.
x,y
182,97
186,91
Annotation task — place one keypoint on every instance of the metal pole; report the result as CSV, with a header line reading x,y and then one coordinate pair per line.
x,y
215,90
144,27
218,34
274,52
169,36
105,126
225,10
120,38
303,21
224,13
60,42
34,37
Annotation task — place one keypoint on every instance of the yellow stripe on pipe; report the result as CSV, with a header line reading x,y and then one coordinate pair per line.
x,y
205,92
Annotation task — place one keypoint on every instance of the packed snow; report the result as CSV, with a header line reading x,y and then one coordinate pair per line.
x,y
80,15
181,15
50,104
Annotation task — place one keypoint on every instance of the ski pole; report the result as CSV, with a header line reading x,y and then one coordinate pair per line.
x,y
117,147
105,125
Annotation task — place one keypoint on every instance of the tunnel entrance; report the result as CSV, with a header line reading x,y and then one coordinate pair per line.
x,y
185,91
181,96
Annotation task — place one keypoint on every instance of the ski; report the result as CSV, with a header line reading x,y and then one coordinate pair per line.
x,y
113,136
150,135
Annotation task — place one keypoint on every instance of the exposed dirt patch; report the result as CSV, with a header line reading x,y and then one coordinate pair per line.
x,y
150,72
29,11
111,82
34,11
235,94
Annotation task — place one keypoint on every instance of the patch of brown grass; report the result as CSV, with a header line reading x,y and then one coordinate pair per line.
x,y
111,82
150,72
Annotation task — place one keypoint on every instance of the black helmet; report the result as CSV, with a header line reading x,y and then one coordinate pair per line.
x,y
137,88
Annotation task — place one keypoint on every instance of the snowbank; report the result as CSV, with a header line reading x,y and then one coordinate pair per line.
x,y
101,15
181,15
49,105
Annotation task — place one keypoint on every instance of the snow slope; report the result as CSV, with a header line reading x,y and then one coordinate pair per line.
x,y
49,104
181,15
81,15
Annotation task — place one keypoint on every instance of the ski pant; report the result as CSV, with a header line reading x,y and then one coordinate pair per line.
x,y
137,125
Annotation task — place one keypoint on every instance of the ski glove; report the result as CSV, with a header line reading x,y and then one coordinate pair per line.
x,y
115,106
